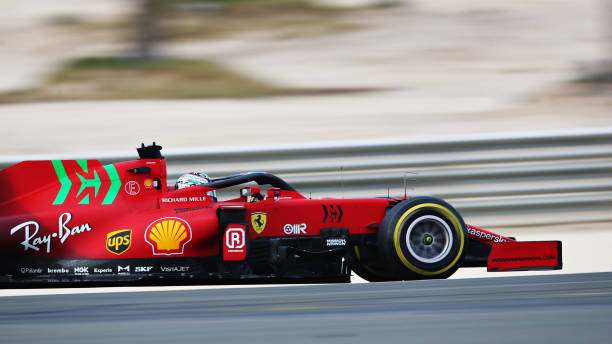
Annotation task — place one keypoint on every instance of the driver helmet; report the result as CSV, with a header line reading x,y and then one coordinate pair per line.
x,y
194,178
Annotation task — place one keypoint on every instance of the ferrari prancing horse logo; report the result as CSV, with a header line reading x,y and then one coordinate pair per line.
x,y
258,221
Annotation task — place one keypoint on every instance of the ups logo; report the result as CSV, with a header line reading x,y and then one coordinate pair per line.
x,y
119,241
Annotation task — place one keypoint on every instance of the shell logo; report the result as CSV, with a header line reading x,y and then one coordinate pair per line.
x,y
168,235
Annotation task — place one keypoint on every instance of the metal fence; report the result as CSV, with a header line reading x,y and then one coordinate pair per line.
x,y
493,179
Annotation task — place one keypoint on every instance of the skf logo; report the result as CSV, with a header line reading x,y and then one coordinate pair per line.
x,y
168,236
118,242
258,221
234,243
298,228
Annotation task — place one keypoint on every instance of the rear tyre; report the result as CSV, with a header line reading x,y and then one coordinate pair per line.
x,y
422,238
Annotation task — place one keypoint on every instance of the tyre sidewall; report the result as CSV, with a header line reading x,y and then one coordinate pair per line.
x,y
367,271
392,238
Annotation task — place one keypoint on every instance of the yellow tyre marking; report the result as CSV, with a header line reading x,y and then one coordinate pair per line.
x,y
398,229
357,254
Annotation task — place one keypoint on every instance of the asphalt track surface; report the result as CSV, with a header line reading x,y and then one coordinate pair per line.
x,y
529,309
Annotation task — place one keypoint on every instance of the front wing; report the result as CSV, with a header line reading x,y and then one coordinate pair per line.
x,y
499,253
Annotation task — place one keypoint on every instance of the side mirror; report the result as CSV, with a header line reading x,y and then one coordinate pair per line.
x,y
251,194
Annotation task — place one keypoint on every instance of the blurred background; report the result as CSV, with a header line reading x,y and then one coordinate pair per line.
x,y
503,108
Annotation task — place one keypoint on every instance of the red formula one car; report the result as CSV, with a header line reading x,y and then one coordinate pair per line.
x,y
83,222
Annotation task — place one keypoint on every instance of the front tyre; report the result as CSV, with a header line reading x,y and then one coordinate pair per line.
x,y
366,264
422,238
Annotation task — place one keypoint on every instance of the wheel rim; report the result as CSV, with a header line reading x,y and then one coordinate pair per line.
x,y
429,239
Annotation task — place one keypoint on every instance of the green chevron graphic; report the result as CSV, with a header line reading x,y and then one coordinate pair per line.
x,y
95,182
63,179
87,183
113,190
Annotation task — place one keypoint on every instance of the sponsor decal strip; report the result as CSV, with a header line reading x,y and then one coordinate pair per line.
x,y
86,268
485,237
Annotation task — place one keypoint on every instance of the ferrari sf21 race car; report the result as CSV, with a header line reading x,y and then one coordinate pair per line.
x,y
78,221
